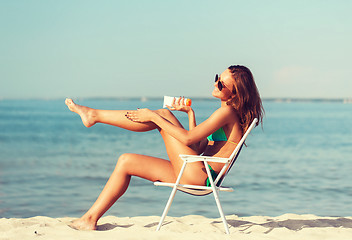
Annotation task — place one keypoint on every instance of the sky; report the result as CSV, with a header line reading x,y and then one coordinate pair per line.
x,y
83,48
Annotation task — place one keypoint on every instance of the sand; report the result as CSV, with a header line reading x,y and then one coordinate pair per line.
x,y
287,226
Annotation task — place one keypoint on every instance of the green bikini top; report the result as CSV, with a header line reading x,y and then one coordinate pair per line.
x,y
219,135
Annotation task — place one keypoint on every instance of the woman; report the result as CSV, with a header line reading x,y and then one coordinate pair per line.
x,y
216,136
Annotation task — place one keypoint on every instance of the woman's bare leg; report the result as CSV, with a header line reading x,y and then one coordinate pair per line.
x,y
194,173
91,116
150,168
146,167
117,118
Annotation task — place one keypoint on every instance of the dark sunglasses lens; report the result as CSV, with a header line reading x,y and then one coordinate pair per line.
x,y
220,85
216,78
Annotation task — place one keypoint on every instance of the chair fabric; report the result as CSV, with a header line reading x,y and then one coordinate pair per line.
x,y
216,184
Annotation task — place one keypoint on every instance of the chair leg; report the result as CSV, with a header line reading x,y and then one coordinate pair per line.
x,y
217,200
216,196
172,196
167,207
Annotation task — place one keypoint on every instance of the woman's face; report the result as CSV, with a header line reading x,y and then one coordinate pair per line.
x,y
227,82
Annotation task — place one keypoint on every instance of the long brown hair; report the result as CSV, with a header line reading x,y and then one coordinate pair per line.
x,y
246,99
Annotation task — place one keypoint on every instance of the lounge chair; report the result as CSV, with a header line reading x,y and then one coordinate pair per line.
x,y
215,184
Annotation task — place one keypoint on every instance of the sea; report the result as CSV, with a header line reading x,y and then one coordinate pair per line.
x,y
299,161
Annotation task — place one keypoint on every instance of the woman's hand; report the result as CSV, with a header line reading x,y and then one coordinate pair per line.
x,y
140,115
179,105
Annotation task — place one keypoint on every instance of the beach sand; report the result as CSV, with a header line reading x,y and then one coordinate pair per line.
x,y
287,226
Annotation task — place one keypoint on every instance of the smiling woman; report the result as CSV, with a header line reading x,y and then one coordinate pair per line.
x,y
240,103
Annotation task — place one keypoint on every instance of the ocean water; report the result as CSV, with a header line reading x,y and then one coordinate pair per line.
x,y
51,165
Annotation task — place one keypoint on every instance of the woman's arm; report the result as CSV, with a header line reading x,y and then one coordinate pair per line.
x,y
191,119
218,119
180,105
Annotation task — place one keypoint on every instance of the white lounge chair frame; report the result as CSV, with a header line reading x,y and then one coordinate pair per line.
x,y
204,190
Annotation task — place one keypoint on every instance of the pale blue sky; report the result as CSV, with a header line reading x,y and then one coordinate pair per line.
x,y
54,49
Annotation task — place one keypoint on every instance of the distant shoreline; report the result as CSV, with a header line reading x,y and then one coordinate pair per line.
x,y
337,100
146,98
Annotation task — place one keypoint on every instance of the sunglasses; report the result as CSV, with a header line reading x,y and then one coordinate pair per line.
x,y
221,85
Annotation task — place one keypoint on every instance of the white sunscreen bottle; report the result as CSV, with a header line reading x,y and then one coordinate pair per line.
x,y
169,100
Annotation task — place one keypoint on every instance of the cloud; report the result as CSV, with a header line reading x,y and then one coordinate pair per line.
x,y
294,81
295,74
319,81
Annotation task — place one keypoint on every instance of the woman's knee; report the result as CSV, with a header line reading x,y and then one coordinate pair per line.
x,y
165,113
168,115
124,161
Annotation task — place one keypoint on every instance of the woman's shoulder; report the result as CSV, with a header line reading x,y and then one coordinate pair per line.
x,y
227,112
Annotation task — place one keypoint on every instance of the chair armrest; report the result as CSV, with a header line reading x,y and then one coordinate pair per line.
x,y
197,158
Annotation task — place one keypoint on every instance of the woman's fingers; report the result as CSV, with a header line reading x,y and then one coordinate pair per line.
x,y
129,116
178,104
140,115
179,100
132,115
183,101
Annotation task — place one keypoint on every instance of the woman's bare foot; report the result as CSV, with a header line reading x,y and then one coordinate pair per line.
x,y
87,114
81,224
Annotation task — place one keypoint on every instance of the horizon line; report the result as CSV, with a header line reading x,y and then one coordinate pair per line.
x,y
147,98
